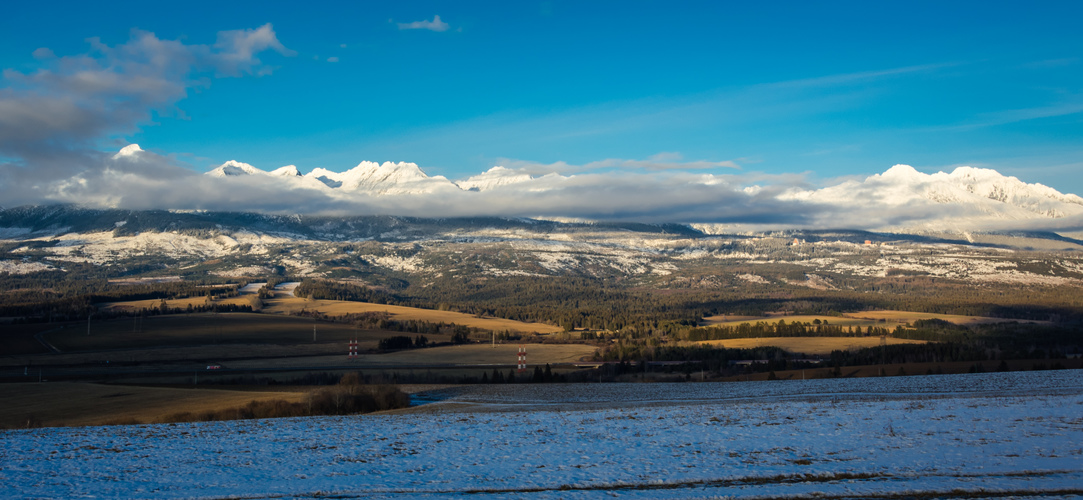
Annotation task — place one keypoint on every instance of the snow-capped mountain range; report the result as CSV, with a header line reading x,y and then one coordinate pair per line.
x,y
900,199
986,190
386,178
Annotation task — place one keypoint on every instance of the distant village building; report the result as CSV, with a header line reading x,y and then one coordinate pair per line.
x,y
868,242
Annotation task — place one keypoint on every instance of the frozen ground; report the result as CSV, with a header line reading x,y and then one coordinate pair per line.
x,y
987,435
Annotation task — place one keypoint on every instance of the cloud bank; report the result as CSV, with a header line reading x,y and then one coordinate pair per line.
x,y
51,119
901,199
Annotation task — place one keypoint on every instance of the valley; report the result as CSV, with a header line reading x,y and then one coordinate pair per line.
x,y
241,301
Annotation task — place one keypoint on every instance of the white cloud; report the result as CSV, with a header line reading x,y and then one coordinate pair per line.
x,y
237,49
332,59
435,25
51,118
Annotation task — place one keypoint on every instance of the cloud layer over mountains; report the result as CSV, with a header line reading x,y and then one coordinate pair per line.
x,y
901,198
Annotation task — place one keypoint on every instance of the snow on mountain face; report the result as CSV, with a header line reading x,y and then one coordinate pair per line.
x,y
1036,198
385,178
968,192
287,171
234,168
368,177
494,177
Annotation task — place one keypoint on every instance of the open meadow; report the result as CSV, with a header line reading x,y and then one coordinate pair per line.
x,y
181,330
734,320
814,346
887,319
474,355
78,404
911,316
287,305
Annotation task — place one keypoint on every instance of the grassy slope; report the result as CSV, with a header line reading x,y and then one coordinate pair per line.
x,y
201,329
73,403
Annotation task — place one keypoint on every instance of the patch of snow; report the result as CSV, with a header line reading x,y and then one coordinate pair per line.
x,y
753,278
22,267
1013,434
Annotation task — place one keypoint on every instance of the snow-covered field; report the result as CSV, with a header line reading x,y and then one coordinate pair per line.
x,y
1017,434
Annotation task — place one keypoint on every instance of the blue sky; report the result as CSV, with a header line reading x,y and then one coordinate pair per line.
x,y
828,90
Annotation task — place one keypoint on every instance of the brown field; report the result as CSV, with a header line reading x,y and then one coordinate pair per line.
x,y
910,317
866,318
283,304
834,320
339,307
178,330
730,318
204,354
466,354
75,403
808,345
136,305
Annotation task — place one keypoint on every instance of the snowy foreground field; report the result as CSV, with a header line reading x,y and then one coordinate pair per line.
x,y
983,435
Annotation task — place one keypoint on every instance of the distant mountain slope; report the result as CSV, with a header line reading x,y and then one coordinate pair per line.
x,y
61,219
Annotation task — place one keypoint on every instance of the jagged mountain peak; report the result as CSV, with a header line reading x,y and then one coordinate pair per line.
x,y
234,168
383,178
494,177
287,171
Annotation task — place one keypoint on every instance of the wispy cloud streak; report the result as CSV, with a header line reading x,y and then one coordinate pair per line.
x,y
435,25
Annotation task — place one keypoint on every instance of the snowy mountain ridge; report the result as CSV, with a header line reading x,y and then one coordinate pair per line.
x,y
900,198
965,194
